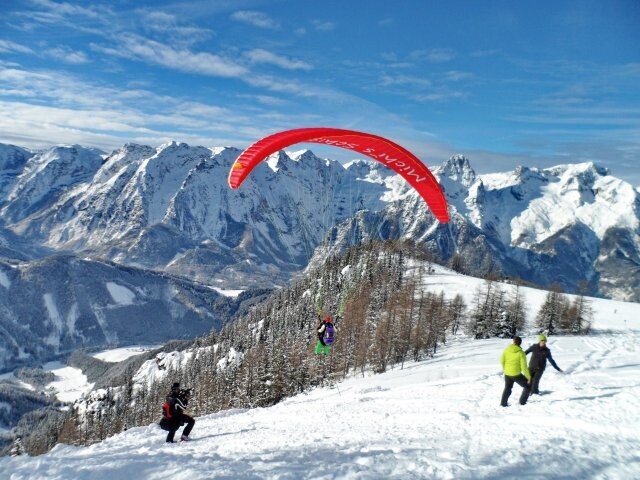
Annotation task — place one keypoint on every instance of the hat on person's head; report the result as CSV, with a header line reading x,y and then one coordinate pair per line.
x,y
175,386
328,319
542,337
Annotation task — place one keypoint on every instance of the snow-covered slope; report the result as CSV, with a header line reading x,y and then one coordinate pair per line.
x,y
48,175
434,419
12,162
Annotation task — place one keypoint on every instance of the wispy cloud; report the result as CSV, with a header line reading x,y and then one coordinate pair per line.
x,y
456,76
60,53
486,53
404,80
44,107
440,95
596,117
260,55
41,107
174,27
61,9
323,26
267,100
434,55
153,52
13,47
257,19
67,55
73,16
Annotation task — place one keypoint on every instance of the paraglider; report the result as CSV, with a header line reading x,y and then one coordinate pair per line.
x,y
381,149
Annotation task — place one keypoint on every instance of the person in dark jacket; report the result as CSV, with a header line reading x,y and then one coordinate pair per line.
x,y
514,366
540,353
178,400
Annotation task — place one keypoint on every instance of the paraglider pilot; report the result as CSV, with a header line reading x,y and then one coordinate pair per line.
x,y
325,336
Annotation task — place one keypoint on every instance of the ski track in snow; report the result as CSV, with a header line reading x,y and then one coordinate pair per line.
x,y
438,418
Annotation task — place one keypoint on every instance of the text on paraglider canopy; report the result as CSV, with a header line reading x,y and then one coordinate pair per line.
x,y
398,165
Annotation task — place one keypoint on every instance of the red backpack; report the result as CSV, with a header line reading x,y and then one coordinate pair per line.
x,y
168,411
168,408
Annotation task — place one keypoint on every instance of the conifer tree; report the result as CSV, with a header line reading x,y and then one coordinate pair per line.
x,y
551,312
512,318
456,313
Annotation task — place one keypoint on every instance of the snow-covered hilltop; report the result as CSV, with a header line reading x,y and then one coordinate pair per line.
x,y
435,419
169,208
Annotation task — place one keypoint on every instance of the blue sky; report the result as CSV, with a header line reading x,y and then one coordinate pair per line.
x,y
503,82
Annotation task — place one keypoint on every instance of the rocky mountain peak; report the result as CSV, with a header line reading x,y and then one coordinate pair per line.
x,y
458,169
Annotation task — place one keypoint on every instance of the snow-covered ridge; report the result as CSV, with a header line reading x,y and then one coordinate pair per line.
x,y
582,192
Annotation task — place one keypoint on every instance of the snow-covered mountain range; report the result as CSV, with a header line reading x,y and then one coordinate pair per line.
x,y
169,208
569,225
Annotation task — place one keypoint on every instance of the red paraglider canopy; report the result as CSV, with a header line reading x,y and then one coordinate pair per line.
x,y
385,151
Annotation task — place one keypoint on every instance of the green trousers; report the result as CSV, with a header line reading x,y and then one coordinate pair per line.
x,y
322,349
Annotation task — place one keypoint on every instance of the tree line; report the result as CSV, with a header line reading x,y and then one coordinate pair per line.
x,y
498,312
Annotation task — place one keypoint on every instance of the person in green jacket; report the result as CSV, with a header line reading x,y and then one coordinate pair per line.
x,y
514,365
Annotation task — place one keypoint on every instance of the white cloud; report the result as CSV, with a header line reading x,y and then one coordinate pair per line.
x,y
61,53
257,19
323,26
67,55
456,76
260,55
267,100
391,80
54,12
150,51
435,55
172,26
57,108
160,18
440,95
12,47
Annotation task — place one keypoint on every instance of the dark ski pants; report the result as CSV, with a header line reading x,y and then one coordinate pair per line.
x,y
508,385
536,375
179,421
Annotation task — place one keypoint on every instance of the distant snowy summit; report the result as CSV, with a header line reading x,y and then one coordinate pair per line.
x,y
169,208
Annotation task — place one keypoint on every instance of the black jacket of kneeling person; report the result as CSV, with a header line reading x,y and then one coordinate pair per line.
x,y
179,399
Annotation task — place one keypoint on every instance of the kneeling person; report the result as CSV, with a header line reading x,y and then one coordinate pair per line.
x,y
176,404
